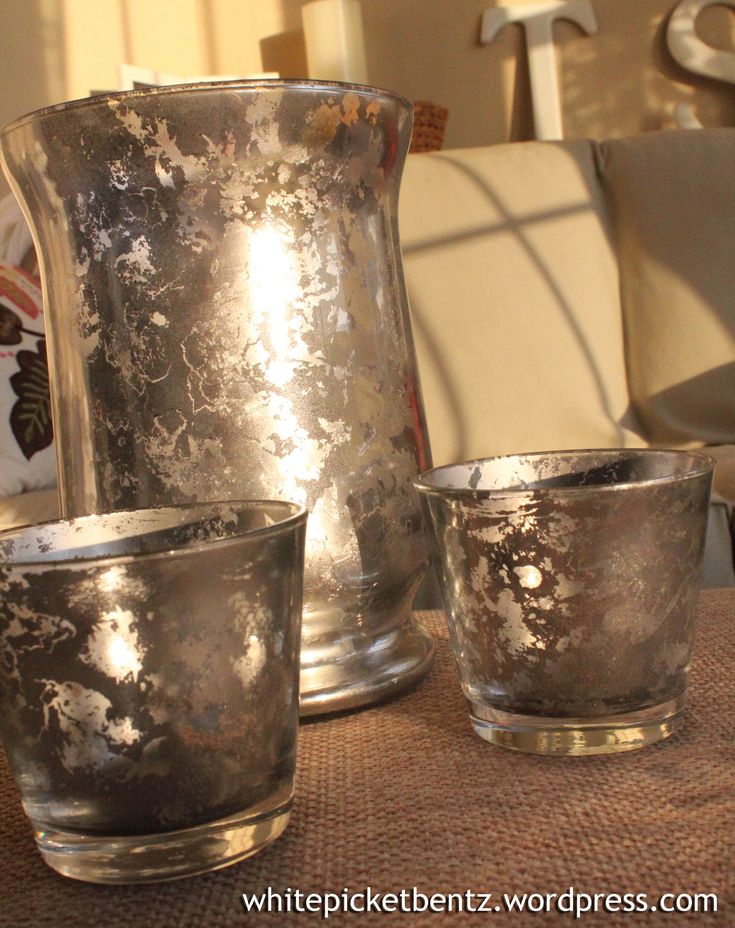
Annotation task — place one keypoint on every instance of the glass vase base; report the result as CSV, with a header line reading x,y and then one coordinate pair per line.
x,y
360,669
156,858
612,734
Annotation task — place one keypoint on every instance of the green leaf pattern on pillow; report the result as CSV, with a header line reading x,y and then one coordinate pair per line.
x,y
30,416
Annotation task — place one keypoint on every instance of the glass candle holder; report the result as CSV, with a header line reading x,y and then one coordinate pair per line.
x,y
149,665
570,581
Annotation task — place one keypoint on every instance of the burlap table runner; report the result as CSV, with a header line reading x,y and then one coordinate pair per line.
x,y
405,794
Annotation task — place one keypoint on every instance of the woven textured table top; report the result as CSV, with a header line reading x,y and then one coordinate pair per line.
x,y
405,794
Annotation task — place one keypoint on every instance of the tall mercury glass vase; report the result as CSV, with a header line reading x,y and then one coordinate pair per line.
x,y
227,318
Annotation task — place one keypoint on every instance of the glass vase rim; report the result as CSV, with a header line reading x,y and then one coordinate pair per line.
x,y
702,465
295,514
263,83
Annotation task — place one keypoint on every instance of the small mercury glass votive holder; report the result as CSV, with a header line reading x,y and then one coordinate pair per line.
x,y
570,581
149,683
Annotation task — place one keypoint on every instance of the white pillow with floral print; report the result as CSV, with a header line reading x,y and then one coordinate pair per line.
x,y
27,459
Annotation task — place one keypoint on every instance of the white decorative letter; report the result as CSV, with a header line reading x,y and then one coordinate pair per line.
x,y
538,19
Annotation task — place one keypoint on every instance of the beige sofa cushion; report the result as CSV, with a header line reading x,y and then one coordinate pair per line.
x,y
513,286
673,202
26,508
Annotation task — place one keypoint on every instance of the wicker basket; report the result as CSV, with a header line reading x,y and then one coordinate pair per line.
x,y
429,123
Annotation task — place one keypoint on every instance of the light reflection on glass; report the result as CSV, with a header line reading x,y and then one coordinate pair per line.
x,y
274,289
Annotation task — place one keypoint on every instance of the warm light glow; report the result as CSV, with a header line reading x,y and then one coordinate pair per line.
x,y
273,290
110,579
529,576
122,657
113,646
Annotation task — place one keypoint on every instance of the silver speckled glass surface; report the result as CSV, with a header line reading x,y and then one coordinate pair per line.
x,y
149,668
570,581
227,318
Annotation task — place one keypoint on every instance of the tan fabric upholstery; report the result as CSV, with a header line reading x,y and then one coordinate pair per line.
x,y
725,470
513,284
673,202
